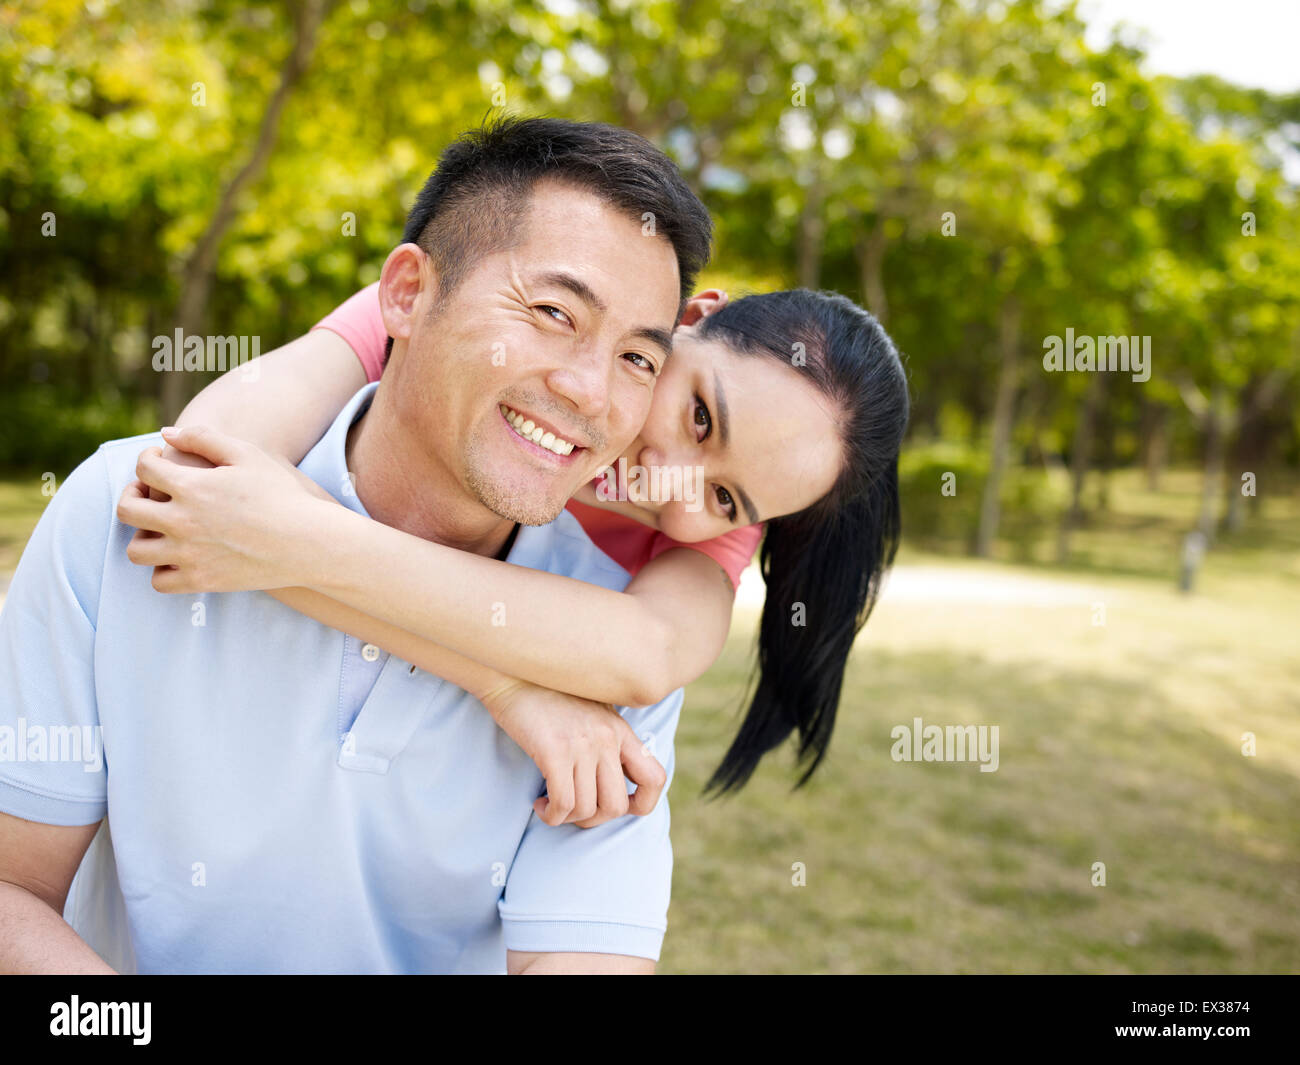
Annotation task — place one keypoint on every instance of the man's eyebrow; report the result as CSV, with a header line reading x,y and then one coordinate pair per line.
x,y
724,430
576,285
662,338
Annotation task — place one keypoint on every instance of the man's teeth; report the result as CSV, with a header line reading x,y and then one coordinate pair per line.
x,y
535,433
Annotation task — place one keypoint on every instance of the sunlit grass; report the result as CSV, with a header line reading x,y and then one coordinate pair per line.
x,y
1120,743
21,504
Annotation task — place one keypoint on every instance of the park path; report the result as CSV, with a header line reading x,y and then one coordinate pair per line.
x,y
922,583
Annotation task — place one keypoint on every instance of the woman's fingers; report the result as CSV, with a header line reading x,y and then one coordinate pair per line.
x,y
554,807
584,790
611,789
172,581
588,787
136,509
217,447
644,770
146,550
156,472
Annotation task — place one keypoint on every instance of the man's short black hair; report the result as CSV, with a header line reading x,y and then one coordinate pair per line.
x,y
475,202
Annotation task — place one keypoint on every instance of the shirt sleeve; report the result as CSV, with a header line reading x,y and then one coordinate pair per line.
x,y
732,551
358,321
52,766
602,890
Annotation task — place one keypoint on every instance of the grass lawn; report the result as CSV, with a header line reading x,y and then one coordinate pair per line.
x,y
1120,743
21,504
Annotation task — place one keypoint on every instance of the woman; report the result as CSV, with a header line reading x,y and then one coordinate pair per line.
x,y
792,403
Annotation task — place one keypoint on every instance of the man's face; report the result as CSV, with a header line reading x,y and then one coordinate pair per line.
x,y
566,331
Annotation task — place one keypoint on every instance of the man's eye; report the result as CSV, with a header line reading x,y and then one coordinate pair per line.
x,y
728,504
703,420
645,363
553,311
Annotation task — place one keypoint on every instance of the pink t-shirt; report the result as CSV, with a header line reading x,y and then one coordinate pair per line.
x,y
629,543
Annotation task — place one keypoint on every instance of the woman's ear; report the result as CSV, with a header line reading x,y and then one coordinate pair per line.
x,y
703,304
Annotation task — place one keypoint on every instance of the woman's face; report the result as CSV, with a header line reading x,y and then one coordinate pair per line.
x,y
737,439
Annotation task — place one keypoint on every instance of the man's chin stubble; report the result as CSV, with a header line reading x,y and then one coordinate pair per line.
x,y
511,507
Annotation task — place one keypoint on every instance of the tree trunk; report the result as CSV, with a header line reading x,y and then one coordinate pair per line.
x,y
1249,447
1104,433
1155,442
1080,454
1003,409
812,230
871,262
1214,448
1239,458
199,273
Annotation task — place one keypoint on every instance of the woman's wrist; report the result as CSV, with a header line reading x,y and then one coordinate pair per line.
x,y
500,694
315,556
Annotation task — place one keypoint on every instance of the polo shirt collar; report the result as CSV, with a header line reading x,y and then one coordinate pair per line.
x,y
327,462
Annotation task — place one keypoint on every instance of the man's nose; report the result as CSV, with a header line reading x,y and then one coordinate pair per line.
x,y
584,380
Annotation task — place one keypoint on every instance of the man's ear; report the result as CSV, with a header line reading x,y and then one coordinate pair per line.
x,y
702,304
408,273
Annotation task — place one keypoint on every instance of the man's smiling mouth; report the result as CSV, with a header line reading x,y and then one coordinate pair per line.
x,y
536,434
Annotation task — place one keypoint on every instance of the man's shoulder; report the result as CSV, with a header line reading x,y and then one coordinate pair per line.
x,y
104,474
563,547
111,465
121,453
100,477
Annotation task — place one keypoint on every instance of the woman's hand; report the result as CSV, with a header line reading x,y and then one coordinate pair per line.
x,y
583,749
241,525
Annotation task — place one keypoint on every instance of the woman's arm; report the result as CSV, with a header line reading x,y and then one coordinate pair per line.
x,y
630,648
284,400
251,524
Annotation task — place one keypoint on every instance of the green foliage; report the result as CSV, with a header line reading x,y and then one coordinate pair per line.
x,y
44,430
939,521
930,161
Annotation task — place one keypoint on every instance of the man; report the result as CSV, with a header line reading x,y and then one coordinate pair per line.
x,y
280,797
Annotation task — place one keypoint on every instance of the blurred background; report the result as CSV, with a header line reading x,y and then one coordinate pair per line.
x,y
1106,569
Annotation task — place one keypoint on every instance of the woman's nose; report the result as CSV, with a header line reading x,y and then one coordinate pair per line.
x,y
647,456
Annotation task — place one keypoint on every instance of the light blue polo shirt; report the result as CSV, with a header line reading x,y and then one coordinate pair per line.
x,y
280,797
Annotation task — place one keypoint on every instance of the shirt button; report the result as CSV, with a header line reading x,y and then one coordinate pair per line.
x,y
370,652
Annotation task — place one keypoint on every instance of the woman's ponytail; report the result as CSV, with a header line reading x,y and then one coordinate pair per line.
x,y
823,568
824,565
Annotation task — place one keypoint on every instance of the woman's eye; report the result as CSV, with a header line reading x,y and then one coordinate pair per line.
x,y
728,504
702,419
553,311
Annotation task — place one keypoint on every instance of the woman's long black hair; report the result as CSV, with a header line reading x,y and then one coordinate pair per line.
x,y
823,566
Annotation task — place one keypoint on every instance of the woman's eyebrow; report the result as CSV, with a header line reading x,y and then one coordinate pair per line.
x,y
720,397
724,430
